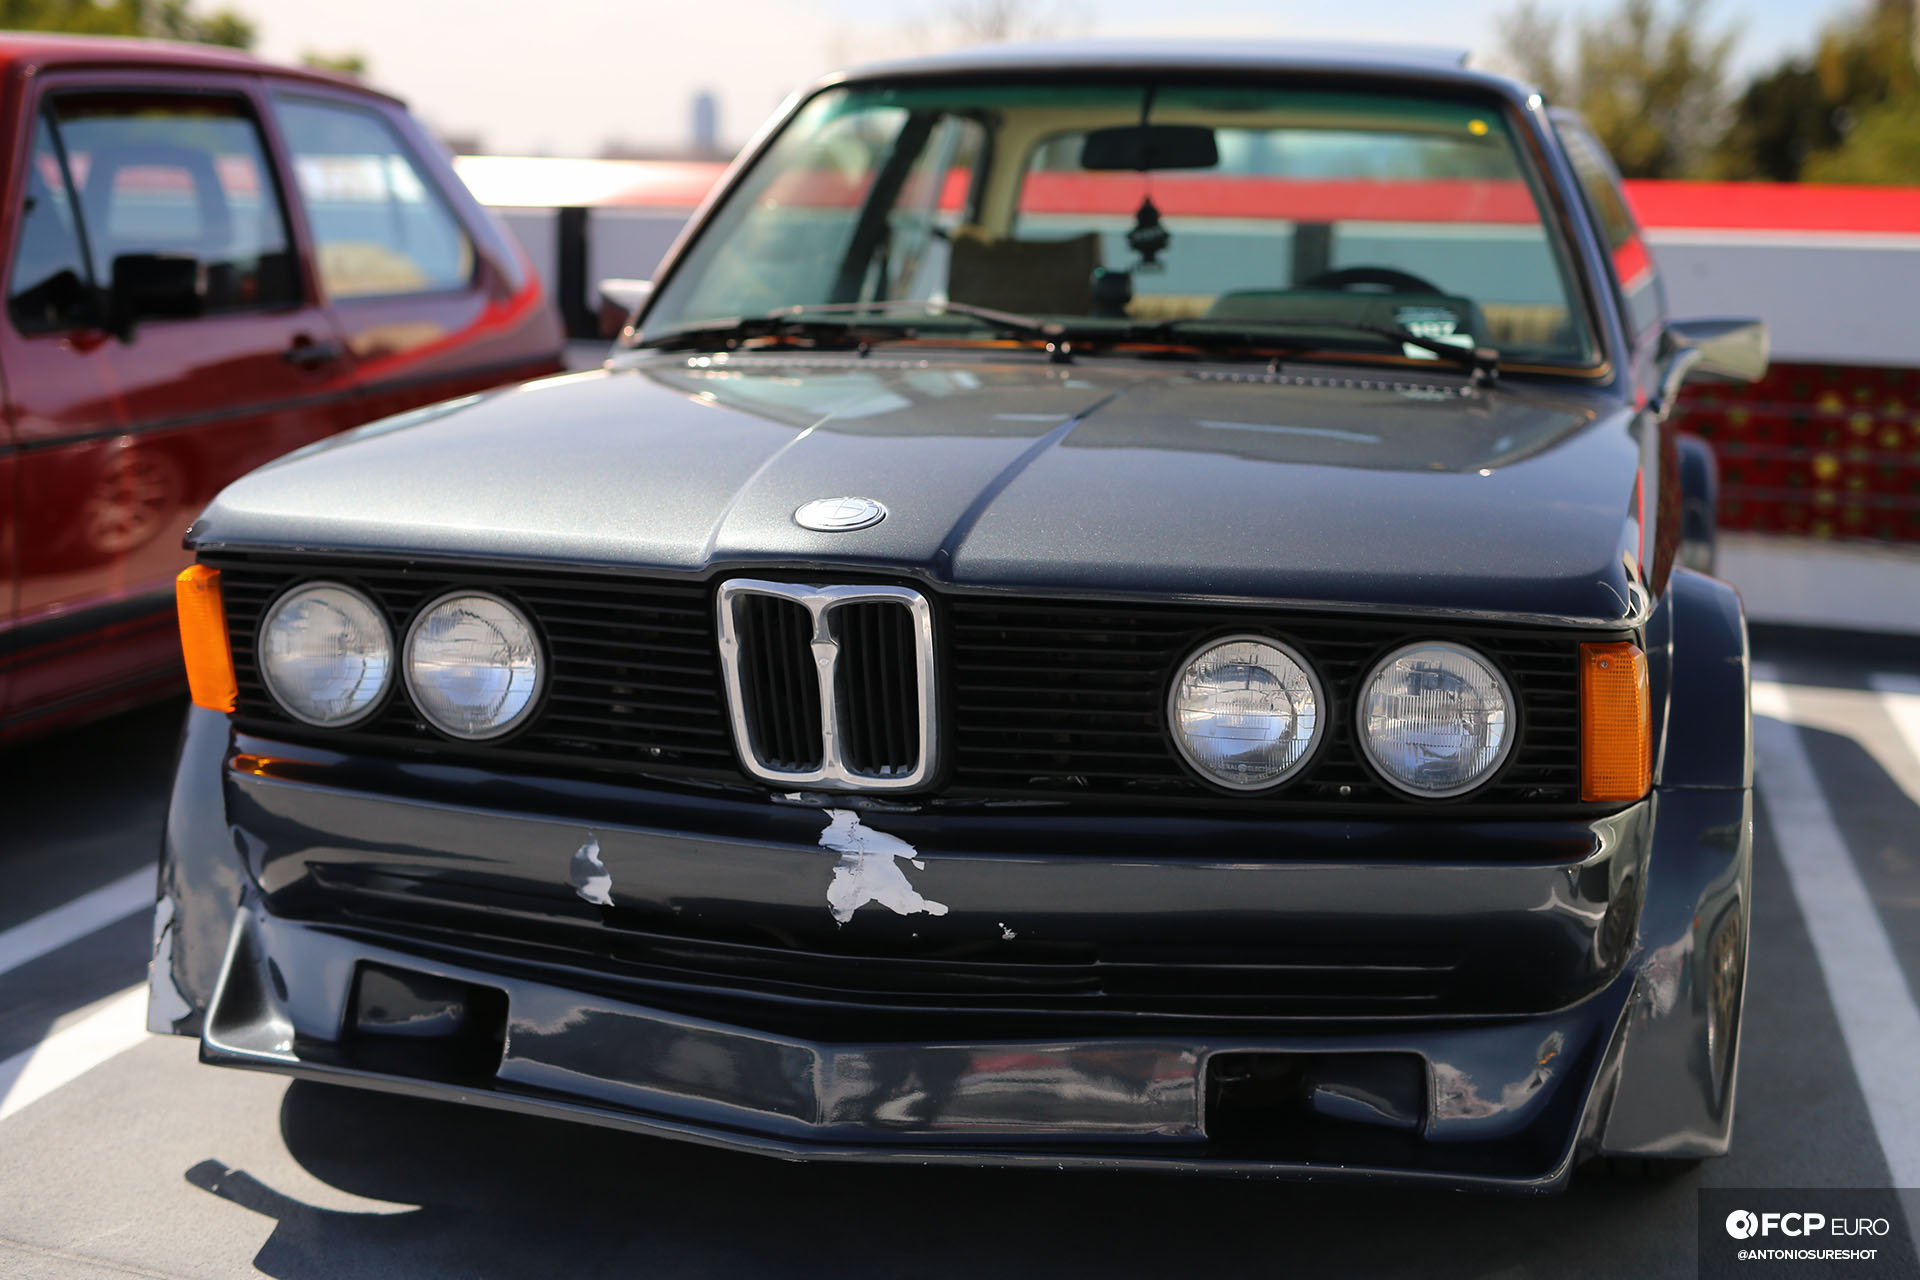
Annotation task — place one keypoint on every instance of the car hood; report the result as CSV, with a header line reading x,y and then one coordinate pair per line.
x,y
1124,478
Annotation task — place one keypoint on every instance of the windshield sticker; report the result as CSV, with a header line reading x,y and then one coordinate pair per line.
x,y
869,870
1435,324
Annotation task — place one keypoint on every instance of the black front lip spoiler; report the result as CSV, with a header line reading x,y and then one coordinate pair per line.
x,y
1508,1101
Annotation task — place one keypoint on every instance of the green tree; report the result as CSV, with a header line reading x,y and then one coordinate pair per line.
x,y
1651,82
1849,112
1882,146
351,63
1782,117
166,19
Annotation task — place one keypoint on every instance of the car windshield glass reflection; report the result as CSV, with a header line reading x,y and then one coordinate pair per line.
x,y
1182,215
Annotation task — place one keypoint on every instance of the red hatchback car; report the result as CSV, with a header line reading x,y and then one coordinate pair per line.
x,y
208,261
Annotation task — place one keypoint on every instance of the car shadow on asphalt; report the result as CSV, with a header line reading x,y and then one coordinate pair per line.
x,y
490,1193
91,803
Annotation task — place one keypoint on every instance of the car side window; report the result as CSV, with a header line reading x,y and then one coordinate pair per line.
x,y
49,286
379,224
173,177
1639,281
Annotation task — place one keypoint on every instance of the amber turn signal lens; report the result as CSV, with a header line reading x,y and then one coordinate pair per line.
x,y
1616,738
203,638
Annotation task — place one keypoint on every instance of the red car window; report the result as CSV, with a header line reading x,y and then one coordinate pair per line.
x,y
180,177
379,225
49,286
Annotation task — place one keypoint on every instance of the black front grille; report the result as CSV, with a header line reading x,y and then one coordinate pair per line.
x,y
1041,698
1066,698
634,678
878,688
778,687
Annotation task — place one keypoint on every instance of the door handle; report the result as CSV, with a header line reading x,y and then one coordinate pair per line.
x,y
305,353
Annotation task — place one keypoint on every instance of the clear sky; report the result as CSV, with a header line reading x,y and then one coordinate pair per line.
x,y
563,77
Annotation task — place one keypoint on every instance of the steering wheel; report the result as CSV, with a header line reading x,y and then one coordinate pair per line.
x,y
1390,278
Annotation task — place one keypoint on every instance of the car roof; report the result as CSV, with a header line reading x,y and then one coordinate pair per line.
x,y
1426,61
37,50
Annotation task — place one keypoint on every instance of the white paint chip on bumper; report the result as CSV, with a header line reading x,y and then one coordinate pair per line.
x,y
589,875
869,870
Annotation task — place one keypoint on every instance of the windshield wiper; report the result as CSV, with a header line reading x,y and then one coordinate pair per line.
x,y
1008,323
879,321
715,333
850,322
1482,363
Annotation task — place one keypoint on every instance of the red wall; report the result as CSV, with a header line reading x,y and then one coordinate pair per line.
x,y
1828,451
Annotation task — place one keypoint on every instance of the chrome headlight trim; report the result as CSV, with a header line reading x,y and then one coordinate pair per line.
x,y
527,709
1316,738
1512,707
265,667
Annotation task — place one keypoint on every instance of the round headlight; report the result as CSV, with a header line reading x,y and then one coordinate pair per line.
x,y
1244,712
325,654
1436,719
473,666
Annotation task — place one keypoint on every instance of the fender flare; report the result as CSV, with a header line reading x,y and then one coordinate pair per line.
x,y
1669,1080
1709,723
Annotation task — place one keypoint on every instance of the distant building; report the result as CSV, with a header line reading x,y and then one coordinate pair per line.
x,y
705,139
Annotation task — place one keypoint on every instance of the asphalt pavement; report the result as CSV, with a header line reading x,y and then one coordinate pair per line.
x,y
121,1155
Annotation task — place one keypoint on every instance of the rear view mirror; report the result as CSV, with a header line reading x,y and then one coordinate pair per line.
x,y
1139,147
153,286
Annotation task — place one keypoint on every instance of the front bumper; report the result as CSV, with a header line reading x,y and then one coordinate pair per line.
x,y
1600,1041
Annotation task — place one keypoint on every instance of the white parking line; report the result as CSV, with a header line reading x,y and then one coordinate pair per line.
x,y
1901,697
1863,976
112,1028
54,929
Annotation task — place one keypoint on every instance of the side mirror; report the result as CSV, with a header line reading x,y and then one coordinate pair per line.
x,y
619,300
1710,351
152,286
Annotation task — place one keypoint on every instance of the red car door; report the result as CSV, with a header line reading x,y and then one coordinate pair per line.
x,y
123,430
434,299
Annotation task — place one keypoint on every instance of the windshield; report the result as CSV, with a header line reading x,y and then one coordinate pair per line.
x,y
1111,204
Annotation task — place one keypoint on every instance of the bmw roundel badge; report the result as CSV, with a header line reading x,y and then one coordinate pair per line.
x,y
839,515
